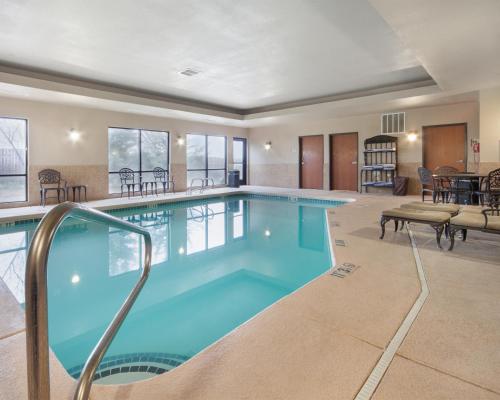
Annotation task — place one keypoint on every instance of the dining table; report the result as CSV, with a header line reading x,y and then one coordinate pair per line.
x,y
463,185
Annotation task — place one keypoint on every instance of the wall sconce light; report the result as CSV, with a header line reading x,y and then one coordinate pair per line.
x,y
74,135
181,250
267,233
180,140
267,146
411,136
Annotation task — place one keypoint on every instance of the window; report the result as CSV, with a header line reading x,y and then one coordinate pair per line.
x,y
138,149
206,158
13,159
240,158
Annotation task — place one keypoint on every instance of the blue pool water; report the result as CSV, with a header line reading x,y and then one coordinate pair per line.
x,y
216,263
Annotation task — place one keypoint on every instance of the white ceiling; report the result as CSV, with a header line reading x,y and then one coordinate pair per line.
x,y
250,54
457,41
260,62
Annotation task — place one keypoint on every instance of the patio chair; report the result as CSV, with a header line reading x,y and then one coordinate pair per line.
x,y
161,175
493,187
425,176
127,180
445,186
50,180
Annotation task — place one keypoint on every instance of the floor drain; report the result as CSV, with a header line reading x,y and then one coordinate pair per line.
x,y
344,269
339,242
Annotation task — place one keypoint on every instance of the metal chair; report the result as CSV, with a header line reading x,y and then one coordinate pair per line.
x,y
426,182
127,179
161,175
50,180
445,186
493,188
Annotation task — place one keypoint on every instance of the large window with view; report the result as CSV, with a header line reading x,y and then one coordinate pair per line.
x,y
138,149
13,159
206,158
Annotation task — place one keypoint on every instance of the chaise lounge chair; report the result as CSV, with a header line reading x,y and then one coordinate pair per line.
x,y
438,220
487,221
452,209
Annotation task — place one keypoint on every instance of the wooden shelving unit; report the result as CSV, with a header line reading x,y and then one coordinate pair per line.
x,y
381,162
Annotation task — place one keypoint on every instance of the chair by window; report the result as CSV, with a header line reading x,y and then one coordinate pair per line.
x,y
50,180
161,175
425,176
127,180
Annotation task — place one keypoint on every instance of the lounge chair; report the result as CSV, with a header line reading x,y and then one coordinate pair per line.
x,y
487,221
452,209
438,220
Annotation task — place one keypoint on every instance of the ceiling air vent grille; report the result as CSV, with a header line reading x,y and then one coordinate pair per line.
x,y
392,123
189,72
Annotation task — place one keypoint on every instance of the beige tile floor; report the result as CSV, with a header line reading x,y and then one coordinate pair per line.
x,y
323,341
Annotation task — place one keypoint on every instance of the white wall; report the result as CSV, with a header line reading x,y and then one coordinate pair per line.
x,y
489,112
282,160
87,160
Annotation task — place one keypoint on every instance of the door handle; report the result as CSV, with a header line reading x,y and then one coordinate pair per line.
x,y
460,161
354,162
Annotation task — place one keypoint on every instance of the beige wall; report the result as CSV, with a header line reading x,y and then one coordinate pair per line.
x,y
489,119
87,160
279,166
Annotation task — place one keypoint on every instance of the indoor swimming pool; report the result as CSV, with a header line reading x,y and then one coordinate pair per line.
x,y
217,262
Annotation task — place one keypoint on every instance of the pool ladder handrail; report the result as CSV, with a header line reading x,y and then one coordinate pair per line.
x,y
202,187
37,345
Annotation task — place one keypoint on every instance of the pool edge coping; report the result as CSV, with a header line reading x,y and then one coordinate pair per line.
x,y
37,215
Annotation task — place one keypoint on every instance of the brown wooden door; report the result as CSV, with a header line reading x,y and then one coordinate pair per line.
x,y
311,161
344,161
445,145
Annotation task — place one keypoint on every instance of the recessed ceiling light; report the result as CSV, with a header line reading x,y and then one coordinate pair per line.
x,y
189,72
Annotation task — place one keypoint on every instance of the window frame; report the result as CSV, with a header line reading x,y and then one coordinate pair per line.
x,y
140,171
26,150
206,169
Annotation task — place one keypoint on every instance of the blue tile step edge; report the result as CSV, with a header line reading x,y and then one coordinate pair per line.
x,y
133,362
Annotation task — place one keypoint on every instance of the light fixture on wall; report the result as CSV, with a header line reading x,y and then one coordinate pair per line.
x,y
74,135
412,136
180,140
267,146
267,233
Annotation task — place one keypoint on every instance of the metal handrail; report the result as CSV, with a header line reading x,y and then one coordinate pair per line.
x,y
203,185
37,345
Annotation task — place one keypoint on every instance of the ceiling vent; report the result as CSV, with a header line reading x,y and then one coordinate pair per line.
x,y
190,72
392,123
